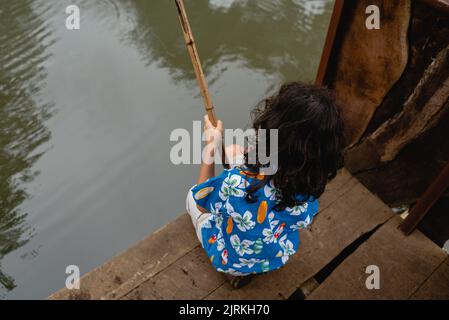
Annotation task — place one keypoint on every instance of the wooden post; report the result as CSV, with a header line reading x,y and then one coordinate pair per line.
x,y
426,202
330,42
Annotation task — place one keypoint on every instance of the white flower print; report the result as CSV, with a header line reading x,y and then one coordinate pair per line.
x,y
246,263
270,191
216,207
220,241
218,215
218,221
229,207
269,236
301,224
233,272
283,257
287,249
220,244
268,232
287,246
273,223
241,247
232,186
272,237
298,209
243,223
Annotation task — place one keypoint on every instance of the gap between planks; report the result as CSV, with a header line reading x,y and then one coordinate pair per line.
x,y
405,264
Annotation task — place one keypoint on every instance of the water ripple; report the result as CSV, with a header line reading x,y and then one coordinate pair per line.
x,y
25,38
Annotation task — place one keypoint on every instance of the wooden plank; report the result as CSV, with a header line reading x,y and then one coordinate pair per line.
x,y
335,189
170,263
404,262
437,286
123,273
149,256
337,226
180,281
191,277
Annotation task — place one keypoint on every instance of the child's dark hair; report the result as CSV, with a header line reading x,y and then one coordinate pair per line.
x,y
310,141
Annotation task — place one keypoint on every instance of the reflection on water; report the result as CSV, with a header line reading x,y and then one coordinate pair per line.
x,y
267,35
23,52
85,116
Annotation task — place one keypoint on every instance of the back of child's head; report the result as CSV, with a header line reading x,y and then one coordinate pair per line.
x,y
310,139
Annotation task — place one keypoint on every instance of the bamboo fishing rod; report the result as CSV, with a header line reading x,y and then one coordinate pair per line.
x,y
193,52
194,56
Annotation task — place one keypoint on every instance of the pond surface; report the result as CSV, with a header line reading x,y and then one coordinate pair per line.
x,y
86,115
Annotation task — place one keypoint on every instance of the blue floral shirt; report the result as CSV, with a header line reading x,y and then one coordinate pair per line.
x,y
241,237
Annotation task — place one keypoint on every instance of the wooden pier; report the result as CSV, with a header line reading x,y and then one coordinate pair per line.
x,y
354,229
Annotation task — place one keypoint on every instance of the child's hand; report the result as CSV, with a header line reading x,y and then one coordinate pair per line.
x,y
213,134
214,137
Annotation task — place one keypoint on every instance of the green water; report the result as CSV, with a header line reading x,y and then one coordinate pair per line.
x,y
85,117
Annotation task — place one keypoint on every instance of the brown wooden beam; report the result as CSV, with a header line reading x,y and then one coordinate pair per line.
x,y
333,30
426,202
330,41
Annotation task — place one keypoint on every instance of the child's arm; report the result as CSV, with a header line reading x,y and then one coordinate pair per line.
x,y
207,171
214,136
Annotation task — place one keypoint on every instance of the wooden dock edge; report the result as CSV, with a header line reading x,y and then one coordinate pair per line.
x,y
170,264
152,254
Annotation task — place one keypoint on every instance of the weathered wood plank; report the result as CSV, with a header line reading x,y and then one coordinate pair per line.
x,y
404,262
123,273
337,226
437,286
149,256
342,183
335,189
147,285
178,281
191,277
170,264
